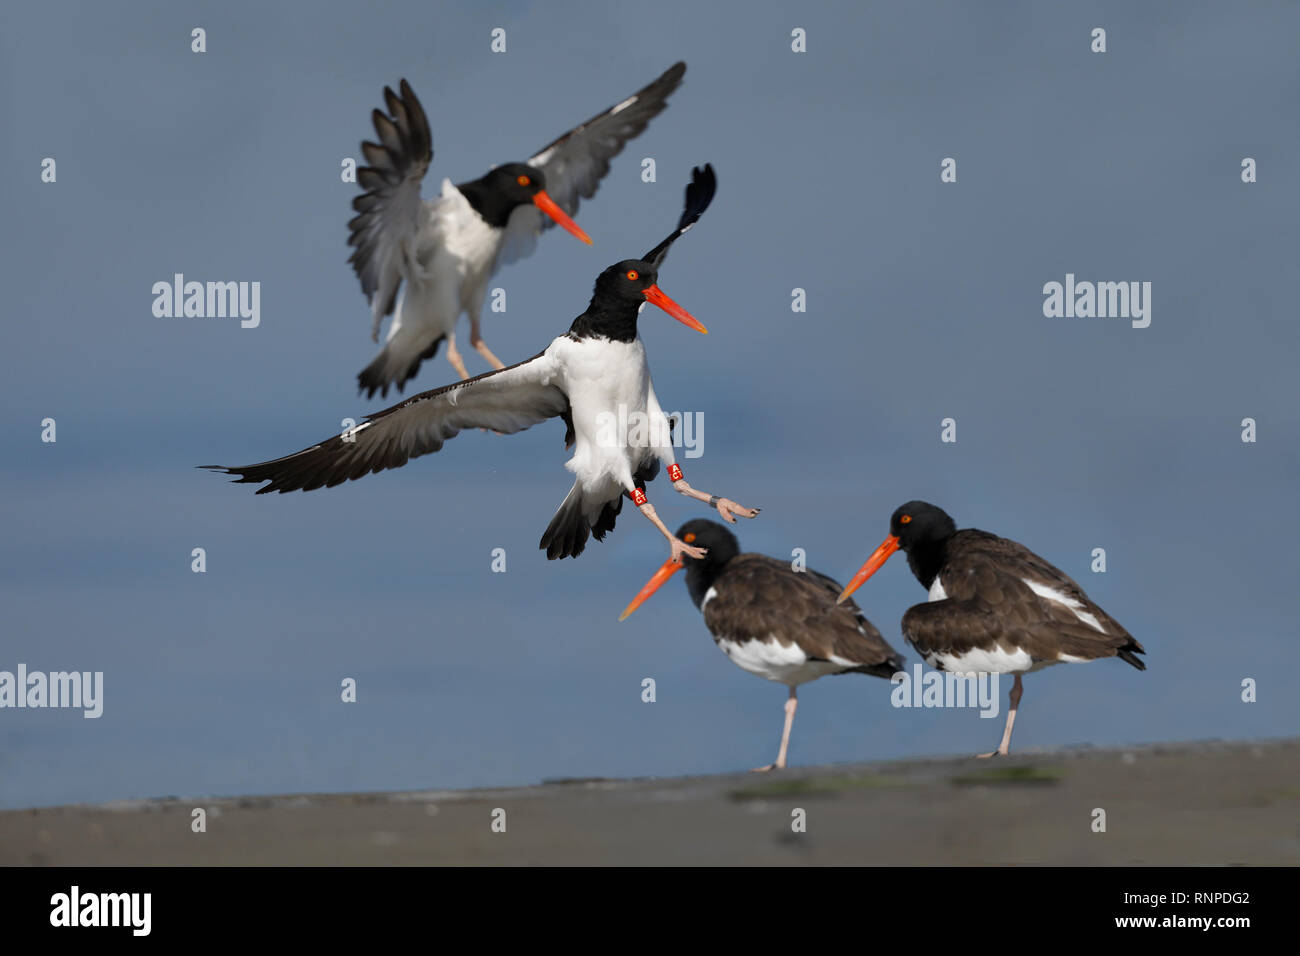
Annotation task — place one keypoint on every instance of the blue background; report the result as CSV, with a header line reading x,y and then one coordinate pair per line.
x,y
924,302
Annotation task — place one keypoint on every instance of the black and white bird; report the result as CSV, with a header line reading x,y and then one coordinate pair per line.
x,y
771,620
995,607
444,250
594,377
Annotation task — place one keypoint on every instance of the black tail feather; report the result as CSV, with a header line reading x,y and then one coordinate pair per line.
x,y
377,377
1126,654
566,535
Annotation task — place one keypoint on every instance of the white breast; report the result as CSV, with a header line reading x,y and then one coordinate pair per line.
x,y
615,419
465,243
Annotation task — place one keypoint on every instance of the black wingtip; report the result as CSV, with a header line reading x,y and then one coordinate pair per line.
x,y
699,193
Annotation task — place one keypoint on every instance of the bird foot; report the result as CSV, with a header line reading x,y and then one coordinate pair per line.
x,y
680,548
728,510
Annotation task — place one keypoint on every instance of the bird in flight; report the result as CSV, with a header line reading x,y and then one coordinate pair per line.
x,y
440,253
592,377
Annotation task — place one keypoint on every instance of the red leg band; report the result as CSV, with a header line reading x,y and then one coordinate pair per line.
x,y
638,497
675,472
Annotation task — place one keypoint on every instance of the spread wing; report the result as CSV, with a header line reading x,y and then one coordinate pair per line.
x,y
575,163
508,401
390,213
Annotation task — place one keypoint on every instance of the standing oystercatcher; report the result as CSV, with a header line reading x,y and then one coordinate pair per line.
x,y
446,249
594,377
995,606
771,620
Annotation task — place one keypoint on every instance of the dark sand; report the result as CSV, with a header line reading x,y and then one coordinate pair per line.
x,y
1202,803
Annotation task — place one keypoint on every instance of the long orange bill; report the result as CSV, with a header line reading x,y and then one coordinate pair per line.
x,y
547,205
878,558
655,296
654,584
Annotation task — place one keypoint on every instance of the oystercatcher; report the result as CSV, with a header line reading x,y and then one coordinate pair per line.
x,y
995,606
446,249
594,377
771,620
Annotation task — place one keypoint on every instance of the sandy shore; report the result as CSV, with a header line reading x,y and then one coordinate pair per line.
x,y
1203,803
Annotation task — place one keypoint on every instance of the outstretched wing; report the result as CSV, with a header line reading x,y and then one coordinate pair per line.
x,y
699,193
390,212
508,400
576,162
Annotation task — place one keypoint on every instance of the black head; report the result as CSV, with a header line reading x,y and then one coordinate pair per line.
x,y
625,282
515,183
504,189
721,545
918,524
617,298
917,528
711,535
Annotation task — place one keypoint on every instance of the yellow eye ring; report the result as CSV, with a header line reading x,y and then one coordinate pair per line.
x,y
523,180
905,519
632,274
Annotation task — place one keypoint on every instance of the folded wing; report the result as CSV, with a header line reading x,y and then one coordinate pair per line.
x,y
767,600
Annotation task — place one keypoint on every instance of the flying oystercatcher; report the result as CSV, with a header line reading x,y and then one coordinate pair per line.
x,y
446,249
995,606
594,377
771,620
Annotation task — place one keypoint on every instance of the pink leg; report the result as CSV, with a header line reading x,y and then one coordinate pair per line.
x,y
790,706
1005,747
453,356
677,548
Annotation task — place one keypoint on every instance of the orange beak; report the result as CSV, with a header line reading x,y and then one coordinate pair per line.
x,y
669,568
655,296
878,558
547,205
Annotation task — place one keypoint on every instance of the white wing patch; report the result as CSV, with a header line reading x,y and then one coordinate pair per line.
x,y
1051,594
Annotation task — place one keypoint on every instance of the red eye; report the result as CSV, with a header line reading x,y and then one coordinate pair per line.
x,y
690,536
905,519
632,274
523,180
